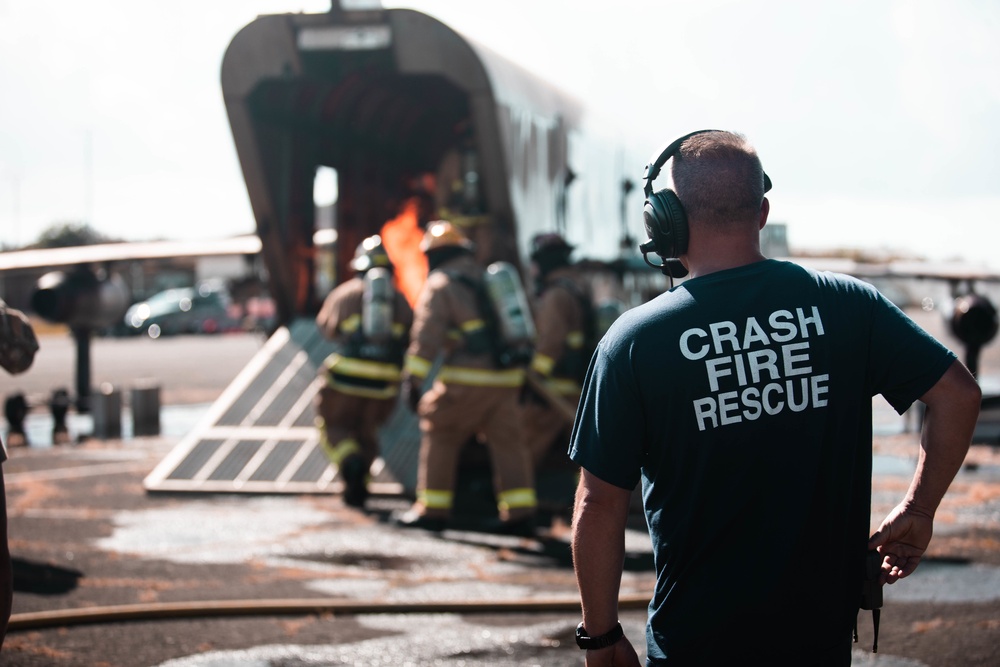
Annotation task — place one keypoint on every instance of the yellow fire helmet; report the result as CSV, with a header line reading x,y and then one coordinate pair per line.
x,y
370,254
443,234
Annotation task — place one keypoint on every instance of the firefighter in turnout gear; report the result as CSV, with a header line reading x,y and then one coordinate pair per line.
x,y
472,395
563,319
369,321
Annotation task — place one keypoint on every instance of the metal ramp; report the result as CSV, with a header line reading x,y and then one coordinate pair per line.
x,y
260,437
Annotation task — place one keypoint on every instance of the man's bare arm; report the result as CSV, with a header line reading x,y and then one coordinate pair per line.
x,y
599,517
952,410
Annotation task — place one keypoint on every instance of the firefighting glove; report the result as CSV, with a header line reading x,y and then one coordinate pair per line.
x,y
410,389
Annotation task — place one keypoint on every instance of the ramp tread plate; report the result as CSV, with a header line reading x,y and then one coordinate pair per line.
x,y
276,462
399,442
234,462
312,469
307,417
196,459
240,409
286,400
260,437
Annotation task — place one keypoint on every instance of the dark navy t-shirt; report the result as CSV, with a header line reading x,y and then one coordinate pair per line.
x,y
743,401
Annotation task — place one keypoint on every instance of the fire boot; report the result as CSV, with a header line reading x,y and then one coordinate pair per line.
x,y
354,473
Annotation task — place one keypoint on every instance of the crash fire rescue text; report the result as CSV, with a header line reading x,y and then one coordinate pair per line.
x,y
758,368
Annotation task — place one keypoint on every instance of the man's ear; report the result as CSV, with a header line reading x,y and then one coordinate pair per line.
x,y
765,208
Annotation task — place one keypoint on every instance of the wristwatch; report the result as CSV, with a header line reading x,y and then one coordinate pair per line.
x,y
585,641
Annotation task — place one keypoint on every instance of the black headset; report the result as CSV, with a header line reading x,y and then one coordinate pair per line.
x,y
664,216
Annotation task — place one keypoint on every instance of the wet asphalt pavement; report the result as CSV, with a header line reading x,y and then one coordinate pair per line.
x,y
191,580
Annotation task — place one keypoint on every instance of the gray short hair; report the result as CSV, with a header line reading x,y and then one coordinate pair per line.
x,y
718,178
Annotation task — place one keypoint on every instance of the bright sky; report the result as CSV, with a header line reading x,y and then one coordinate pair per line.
x,y
877,121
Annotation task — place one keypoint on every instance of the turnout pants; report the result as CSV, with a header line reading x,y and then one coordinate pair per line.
x,y
449,416
349,424
545,428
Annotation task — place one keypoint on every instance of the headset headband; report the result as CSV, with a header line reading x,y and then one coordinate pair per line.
x,y
653,168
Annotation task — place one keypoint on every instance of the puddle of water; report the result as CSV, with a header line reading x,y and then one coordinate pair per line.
x,y
893,465
947,582
212,531
176,421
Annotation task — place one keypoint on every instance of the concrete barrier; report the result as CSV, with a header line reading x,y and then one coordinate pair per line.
x,y
145,400
106,410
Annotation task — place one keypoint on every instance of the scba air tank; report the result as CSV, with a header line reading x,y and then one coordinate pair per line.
x,y
503,284
377,302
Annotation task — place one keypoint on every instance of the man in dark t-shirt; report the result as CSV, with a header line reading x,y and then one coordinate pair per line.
x,y
741,399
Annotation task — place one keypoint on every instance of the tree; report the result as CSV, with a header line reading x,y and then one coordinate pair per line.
x,y
70,234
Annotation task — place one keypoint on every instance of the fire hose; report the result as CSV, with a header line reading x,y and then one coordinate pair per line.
x,y
285,607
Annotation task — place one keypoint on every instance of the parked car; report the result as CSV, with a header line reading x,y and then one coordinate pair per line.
x,y
205,308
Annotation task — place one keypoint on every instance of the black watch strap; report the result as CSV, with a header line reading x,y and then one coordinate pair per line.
x,y
585,641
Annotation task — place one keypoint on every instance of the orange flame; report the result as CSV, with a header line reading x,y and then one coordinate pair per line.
x,y
401,237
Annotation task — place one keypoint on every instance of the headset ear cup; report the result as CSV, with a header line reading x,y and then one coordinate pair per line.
x,y
666,223
653,220
678,221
